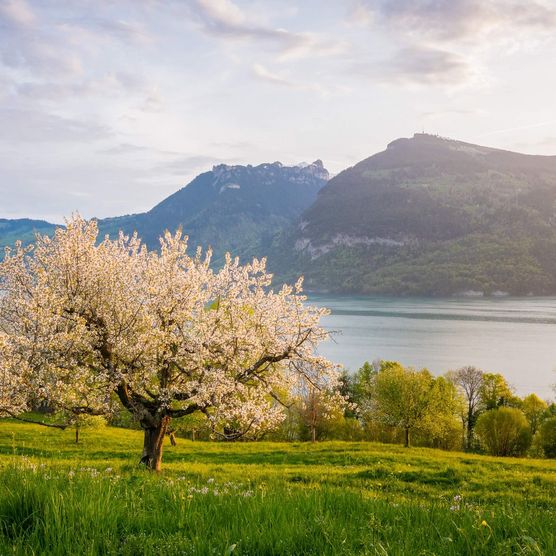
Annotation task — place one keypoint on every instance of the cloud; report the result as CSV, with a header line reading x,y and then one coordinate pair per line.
x,y
450,20
34,126
417,65
446,41
115,83
264,74
450,112
25,45
16,13
186,164
126,31
224,19
427,66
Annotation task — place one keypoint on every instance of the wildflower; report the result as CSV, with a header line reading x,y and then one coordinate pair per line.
x,y
484,523
211,480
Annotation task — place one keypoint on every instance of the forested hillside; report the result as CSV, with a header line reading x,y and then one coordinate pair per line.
x,y
231,208
431,216
22,229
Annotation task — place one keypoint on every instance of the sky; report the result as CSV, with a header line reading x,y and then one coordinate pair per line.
x,y
109,106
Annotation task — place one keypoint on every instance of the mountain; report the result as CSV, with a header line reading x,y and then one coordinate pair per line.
x,y
231,208
22,229
430,216
427,216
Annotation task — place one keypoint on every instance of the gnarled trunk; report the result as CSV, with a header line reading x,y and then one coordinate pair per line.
x,y
152,444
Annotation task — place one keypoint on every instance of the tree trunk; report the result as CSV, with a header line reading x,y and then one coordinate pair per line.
x,y
313,433
76,434
152,444
406,441
470,425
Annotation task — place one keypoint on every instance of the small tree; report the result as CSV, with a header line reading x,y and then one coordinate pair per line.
x,y
548,437
495,391
470,382
81,321
504,431
403,397
441,426
534,409
317,406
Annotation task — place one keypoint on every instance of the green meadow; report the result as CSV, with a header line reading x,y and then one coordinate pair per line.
x,y
258,498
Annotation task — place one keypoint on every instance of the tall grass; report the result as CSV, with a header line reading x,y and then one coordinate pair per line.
x,y
57,498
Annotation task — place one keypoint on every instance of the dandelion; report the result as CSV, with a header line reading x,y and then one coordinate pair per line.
x,y
484,523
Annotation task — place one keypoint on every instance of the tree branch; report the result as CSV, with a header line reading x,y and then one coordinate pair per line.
x,y
43,424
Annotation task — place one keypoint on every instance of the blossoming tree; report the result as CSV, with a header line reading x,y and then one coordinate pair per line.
x,y
83,323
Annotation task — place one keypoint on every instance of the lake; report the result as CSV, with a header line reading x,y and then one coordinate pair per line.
x,y
512,336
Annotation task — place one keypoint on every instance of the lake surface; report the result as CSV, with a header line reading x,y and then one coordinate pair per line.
x,y
512,336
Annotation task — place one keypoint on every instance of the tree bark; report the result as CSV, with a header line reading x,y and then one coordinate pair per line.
x,y
470,425
152,444
76,434
406,441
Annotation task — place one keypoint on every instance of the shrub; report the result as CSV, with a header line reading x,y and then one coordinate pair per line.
x,y
504,432
548,437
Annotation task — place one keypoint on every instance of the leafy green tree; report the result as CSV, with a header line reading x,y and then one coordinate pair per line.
x,y
404,397
548,437
363,384
469,380
441,425
495,391
504,431
534,409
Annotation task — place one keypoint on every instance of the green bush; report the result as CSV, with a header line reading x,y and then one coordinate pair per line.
x,y
504,432
548,437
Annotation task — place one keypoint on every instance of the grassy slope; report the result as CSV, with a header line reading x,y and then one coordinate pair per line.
x,y
265,498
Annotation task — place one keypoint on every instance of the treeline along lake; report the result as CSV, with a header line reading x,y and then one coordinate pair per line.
x,y
512,336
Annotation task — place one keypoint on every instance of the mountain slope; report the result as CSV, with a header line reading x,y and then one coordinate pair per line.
x,y
431,216
231,208
22,229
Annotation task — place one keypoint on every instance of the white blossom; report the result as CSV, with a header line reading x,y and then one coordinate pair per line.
x,y
83,321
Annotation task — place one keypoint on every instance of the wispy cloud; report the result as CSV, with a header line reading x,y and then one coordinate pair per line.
x,y
224,19
415,65
444,41
34,126
264,74
449,20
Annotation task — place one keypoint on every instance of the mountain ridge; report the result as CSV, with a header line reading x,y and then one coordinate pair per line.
x,y
426,216
431,216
